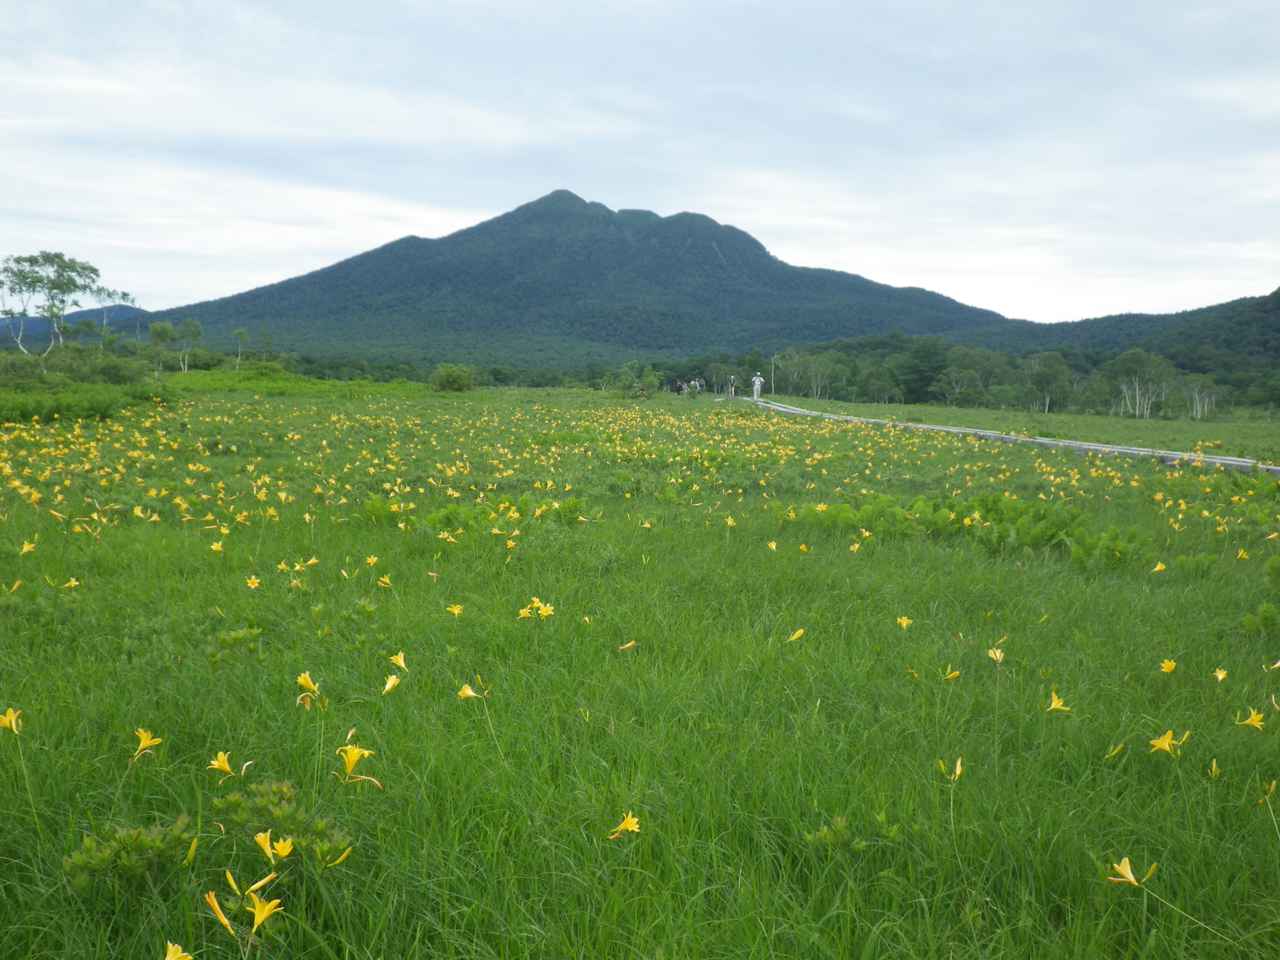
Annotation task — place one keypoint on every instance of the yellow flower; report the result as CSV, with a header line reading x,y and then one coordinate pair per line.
x,y
730,522
629,645
630,824
262,909
1254,719
282,848
1220,674
222,763
398,660
996,654
11,720
71,584
211,899
310,691
1124,874
27,547
455,609
340,858
1215,771
145,742
216,546
1166,743
950,674
905,622
263,840
384,581
1056,704
1168,666
467,692
351,756
955,773
1114,752
796,635
393,681
1242,554
252,583
370,560
1159,567
855,547
174,952
773,545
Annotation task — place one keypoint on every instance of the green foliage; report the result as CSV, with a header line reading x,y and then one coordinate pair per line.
x,y
452,378
128,861
274,805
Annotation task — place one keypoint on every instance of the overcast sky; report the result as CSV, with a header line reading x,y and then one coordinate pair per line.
x,y
1046,160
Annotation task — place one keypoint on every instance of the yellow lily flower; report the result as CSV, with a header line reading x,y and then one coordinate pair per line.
x,y
398,660
1254,719
211,899
222,763
996,654
11,720
393,681
145,742
174,952
1166,743
796,635
262,883
905,622
455,609
467,692
1220,674
263,840
1125,874
630,824
1056,704
339,858
282,848
955,773
1168,666
310,691
262,909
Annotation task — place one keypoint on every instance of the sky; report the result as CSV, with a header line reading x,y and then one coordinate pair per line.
x,y
1050,161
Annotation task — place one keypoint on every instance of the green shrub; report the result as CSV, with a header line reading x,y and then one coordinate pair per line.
x,y
453,377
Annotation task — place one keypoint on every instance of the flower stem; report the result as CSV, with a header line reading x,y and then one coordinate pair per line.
x,y
31,797
1199,923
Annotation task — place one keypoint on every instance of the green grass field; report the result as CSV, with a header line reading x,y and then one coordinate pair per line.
x,y
768,643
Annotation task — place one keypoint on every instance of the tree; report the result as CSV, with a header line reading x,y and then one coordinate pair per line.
x,y
1142,378
241,335
18,290
1048,379
106,298
452,377
187,333
50,283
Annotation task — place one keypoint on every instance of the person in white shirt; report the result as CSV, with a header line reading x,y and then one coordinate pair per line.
x,y
756,383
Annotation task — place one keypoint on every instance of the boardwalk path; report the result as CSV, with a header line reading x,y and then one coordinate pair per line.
x,y
1104,449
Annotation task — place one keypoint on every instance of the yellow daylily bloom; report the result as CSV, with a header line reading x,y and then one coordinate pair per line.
x,y
11,720
1254,719
263,840
398,660
231,882
796,635
282,848
1166,743
905,622
262,909
1220,674
955,773
145,742
1125,874
455,609
1159,567
1056,704
630,824
253,583
191,852
1114,752
211,899
263,882
1168,666
1215,771
174,952
772,545
393,681
310,691
340,858
222,763
467,692
996,654
629,645
950,674
352,755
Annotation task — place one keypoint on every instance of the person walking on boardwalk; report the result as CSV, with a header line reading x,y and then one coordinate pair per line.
x,y
756,383
733,386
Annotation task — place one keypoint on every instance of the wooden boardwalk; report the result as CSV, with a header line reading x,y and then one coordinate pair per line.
x,y
1080,446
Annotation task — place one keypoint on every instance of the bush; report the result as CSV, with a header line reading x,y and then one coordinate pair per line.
x,y
453,377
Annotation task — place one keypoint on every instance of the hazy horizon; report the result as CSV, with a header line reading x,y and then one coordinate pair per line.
x,y
1048,163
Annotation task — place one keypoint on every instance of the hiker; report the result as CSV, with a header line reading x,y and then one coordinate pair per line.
x,y
756,383
733,385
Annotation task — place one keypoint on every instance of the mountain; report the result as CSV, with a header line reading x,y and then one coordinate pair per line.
x,y
561,281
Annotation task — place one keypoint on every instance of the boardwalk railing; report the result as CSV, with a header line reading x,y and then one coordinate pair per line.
x,y
1081,446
